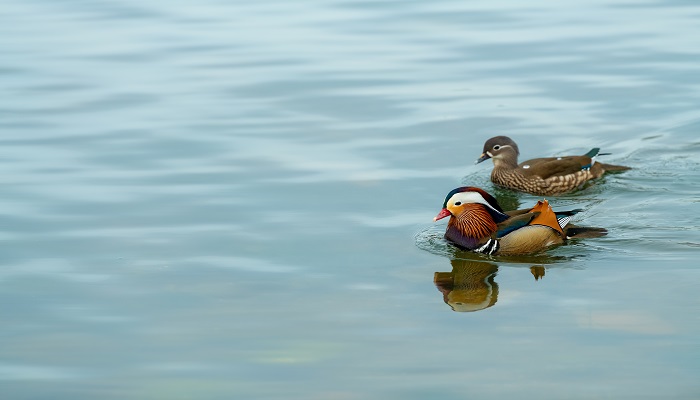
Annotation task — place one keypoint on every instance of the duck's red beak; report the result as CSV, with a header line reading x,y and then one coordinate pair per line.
x,y
443,213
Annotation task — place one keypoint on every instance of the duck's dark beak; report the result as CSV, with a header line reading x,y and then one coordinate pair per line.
x,y
443,213
483,157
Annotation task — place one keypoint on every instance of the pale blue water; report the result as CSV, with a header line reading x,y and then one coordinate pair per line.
x,y
217,200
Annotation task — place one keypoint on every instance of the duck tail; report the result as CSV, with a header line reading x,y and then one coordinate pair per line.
x,y
614,168
595,152
584,232
568,213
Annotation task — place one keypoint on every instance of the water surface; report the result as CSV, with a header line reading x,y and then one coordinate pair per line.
x,y
234,200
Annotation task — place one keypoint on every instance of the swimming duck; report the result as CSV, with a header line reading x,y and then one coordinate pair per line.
x,y
541,176
478,223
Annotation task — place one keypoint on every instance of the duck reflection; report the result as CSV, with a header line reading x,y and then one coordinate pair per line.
x,y
471,285
508,199
537,272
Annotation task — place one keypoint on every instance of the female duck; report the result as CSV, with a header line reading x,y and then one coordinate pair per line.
x,y
541,176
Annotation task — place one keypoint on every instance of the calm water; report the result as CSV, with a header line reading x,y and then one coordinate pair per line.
x,y
234,200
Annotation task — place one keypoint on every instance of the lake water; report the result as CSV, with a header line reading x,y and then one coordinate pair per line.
x,y
234,200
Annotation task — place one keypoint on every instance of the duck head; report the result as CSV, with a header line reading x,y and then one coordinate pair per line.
x,y
474,215
500,149
460,200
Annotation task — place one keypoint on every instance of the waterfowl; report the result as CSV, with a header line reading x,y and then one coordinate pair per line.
x,y
541,176
478,223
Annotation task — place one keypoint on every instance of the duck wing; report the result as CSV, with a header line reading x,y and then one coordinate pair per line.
x,y
561,215
514,223
541,214
533,231
559,166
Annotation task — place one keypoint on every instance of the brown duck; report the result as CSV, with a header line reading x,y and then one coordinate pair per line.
x,y
478,223
541,176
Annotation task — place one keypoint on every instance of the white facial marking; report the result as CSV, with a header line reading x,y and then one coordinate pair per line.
x,y
470,197
489,154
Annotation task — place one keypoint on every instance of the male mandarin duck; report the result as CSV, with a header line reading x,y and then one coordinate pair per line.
x,y
541,176
478,223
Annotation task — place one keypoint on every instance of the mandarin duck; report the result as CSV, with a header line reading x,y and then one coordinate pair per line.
x,y
542,176
478,223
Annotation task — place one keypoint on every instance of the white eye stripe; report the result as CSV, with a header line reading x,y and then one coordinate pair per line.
x,y
470,197
498,147
501,146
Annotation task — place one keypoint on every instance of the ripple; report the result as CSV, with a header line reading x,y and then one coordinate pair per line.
x,y
432,240
19,372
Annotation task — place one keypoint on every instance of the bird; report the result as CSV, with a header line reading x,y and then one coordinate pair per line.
x,y
479,224
542,176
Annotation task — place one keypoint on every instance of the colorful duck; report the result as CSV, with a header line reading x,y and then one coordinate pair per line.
x,y
541,176
478,223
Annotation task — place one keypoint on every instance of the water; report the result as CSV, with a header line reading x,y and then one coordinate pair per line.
x,y
234,200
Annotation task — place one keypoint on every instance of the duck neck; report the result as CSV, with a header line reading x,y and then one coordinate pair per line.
x,y
506,161
469,229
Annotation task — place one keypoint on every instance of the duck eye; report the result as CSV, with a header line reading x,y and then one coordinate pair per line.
x,y
459,203
497,147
